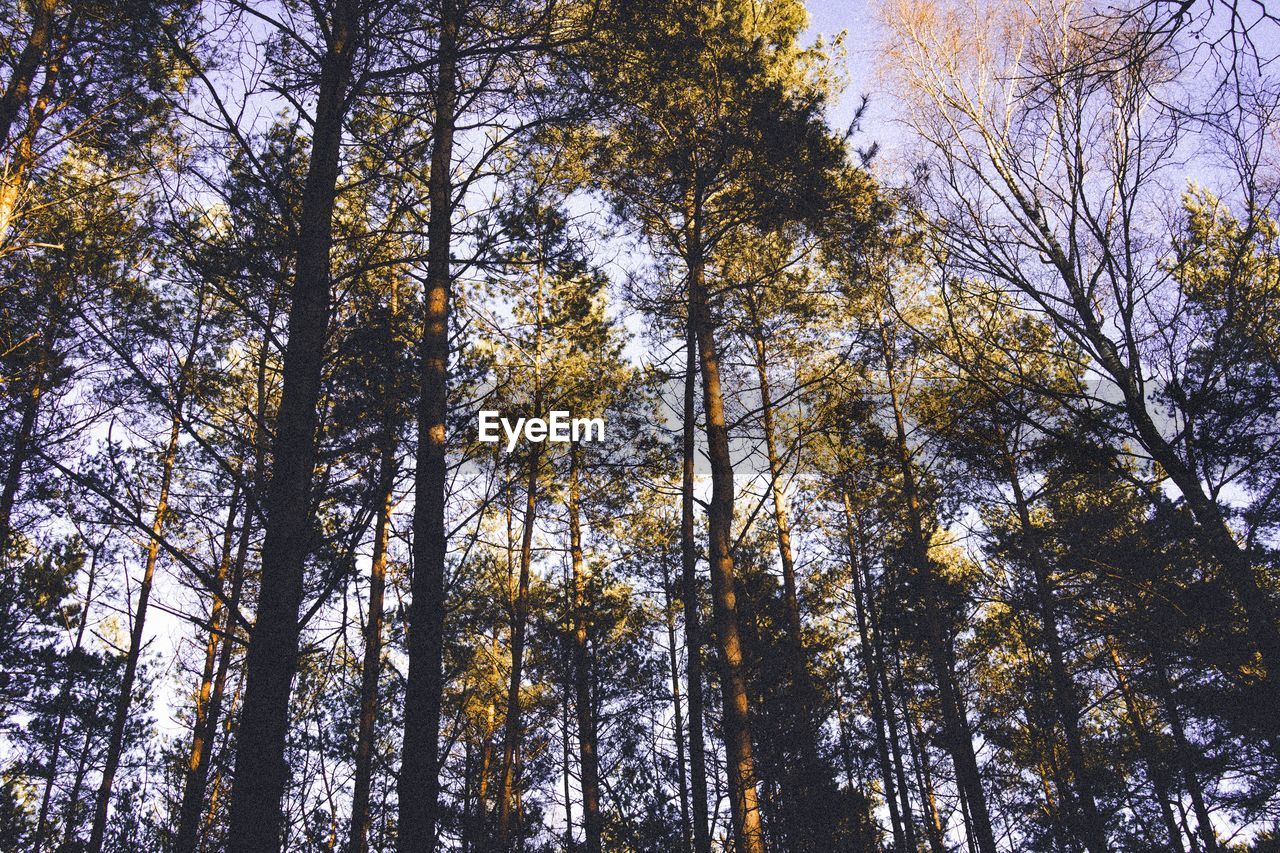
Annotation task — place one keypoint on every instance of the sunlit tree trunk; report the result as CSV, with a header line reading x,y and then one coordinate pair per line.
x,y
520,608
743,802
201,732
673,657
124,702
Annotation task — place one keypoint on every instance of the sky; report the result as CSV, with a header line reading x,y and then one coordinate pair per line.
x,y
863,34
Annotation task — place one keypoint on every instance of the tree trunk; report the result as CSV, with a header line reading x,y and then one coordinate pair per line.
x,y
884,644
197,781
743,802
1091,830
24,70
124,702
17,459
873,686
588,759
673,656
202,733
70,822
959,741
782,522
64,697
371,667
1204,826
692,615
261,773
1155,772
419,782
22,442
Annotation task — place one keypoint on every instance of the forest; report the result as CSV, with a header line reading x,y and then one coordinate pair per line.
x,y
639,426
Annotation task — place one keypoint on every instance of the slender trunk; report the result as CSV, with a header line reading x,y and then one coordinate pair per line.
x,y
261,774
673,656
197,782
74,806
743,802
782,522
924,774
880,651
201,734
1155,772
124,702
565,738
419,782
480,830
955,725
1204,826
692,615
520,610
873,686
588,759
371,667
22,441
519,621
1065,701
64,698
21,449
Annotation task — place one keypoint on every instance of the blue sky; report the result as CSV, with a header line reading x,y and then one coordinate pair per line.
x,y
857,18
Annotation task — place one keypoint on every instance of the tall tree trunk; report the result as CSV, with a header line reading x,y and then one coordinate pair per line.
x,y
1204,826
419,782
64,698
520,609
371,667
692,614
202,733
959,740
124,702
782,521
261,774
1155,772
673,656
20,451
588,759
1065,701
71,821
519,622
924,773
565,738
201,756
884,645
743,803
873,678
